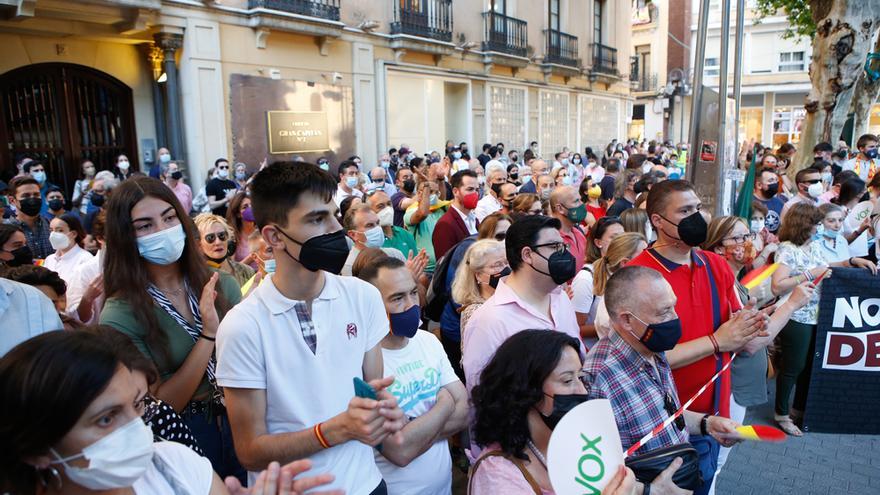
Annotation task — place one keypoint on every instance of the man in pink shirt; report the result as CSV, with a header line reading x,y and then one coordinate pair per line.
x,y
567,207
174,181
529,298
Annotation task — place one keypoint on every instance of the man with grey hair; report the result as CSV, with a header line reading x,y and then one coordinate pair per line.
x,y
379,182
629,368
496,176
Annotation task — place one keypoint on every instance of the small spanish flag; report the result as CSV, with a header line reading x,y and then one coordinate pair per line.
x,y
761,433
757,276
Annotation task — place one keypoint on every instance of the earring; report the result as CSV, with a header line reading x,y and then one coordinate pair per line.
x,y
50,474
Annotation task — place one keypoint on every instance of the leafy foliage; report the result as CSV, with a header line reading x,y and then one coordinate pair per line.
x,y
800,19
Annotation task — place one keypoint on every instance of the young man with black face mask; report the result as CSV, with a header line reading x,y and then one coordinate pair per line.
x,y
287,354
24,192
712,320
436,408
629,368
767,193
866,163
405,195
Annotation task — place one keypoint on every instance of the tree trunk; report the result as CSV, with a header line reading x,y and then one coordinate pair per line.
x,y
865,95
844,30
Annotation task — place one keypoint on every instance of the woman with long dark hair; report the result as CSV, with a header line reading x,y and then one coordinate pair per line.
x,y
162,295
71,424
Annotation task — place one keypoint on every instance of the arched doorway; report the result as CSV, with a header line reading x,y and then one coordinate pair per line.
x,y
63,114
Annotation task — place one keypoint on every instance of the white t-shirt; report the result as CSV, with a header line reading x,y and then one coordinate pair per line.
x,y
420,369
582,298
66,265
260,345
84,274
602,320
175,469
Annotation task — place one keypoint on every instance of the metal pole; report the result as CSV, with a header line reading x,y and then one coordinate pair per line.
x,y
699,62
737,65
722,107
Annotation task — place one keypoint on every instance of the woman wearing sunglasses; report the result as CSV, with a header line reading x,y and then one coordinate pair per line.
x,y
214,238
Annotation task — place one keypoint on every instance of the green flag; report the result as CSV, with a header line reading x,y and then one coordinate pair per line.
x,y
744,199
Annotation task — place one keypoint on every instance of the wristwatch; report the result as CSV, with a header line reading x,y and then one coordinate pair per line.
x,y
704,425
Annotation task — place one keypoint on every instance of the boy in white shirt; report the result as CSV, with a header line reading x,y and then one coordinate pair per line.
x,y
426,387
287,355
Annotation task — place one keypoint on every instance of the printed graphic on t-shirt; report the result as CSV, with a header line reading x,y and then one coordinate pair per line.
x,y
416,385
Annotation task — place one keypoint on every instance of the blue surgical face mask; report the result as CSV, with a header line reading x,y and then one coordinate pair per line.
x,y
240,175
164,158
375,237
39,177
826,232
351,181
660,337
566,181
385,164
163,247
434,199
269,265
564,161
406,323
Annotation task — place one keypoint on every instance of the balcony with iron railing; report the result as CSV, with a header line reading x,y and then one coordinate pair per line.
x,y
423,18
504,34
561,48
322,9
645,83
604,59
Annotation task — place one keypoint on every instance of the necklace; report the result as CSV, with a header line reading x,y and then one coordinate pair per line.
x,y
537,453
171,291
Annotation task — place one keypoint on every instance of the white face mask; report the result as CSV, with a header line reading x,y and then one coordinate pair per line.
x,y
375,237
756,225
163,247
386,217
223,173
815,190
115,461
59,240
123,165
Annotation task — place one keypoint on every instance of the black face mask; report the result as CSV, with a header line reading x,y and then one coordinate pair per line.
x,y
409,186
514,175
494,279
21,256
562,403
326,252
56,204
496,188
692,229
772,189
865,197
177,175
30,206
98,200
561,266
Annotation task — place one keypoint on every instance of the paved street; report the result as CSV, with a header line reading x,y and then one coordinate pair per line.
x,y
815,464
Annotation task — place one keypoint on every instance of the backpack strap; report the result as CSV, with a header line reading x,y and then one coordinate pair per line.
x,y
516,462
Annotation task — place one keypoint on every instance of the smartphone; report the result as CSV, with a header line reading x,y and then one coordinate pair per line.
x,y
363,389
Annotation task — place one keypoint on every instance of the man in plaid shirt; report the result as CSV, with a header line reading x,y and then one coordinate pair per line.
x,y
629,366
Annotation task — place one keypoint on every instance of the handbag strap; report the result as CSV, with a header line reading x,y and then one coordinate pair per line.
x,y
516,462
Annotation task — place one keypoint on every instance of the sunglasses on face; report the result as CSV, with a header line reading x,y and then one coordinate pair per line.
x,y
210,238
501,236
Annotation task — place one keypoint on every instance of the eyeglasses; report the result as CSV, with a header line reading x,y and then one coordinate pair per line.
x,y
221,167
558,247
210,238
501,236
669,406
739,239
813,181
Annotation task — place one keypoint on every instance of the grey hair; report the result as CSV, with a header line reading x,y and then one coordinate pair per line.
x,y
621,286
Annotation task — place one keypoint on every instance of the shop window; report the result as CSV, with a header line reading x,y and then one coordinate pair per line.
x,y
787,125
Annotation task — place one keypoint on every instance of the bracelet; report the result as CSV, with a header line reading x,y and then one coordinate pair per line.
x,y
203,336
850,262
320,435
808,275
714,343
704,425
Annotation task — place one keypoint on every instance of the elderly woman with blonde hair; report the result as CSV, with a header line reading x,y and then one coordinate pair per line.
x,y
214,238
484,263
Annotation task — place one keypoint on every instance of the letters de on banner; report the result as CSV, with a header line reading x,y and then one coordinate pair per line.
x,y
844,392
297,132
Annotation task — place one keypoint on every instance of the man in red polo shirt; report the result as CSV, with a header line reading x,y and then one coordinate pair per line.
x,y
713,324
566,206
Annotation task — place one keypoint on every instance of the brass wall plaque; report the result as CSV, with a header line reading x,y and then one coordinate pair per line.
x,y
297,132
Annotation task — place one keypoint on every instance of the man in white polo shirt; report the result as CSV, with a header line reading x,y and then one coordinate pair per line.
x,y
288,353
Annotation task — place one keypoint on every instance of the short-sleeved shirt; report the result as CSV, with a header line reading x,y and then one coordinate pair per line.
x,y
423,232
218,188
66,265
577,244
402,241
420,370
702,310
261,345
834,250
774,212
175,469
119,314
619,206
37,237
398,211
799,261
637,390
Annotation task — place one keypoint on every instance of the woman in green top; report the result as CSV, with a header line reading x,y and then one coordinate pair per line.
x,y
163,296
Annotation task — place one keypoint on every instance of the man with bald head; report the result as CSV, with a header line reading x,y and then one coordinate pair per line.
x,y
379,181
629,368
539,168
567,206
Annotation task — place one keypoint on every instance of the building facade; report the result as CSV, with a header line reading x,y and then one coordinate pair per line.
x,y
257,79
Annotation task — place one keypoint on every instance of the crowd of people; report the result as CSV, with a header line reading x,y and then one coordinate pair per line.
x,y
374,329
